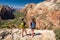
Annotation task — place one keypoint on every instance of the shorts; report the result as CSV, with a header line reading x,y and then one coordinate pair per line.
x,y
22,27
32,27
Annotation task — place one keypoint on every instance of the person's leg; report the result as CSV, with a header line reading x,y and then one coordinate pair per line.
x,y
22,32
32,32
25,31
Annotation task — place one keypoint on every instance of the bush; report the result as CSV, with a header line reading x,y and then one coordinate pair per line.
x,y
57,33
4,26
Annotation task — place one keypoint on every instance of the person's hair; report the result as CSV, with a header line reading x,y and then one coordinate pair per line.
x,y
33,20
22,19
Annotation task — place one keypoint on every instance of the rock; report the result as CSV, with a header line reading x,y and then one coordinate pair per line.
x,y
9,37
41,11
39,35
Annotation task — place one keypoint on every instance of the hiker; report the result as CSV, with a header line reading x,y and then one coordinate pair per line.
x,y
33,25
23,27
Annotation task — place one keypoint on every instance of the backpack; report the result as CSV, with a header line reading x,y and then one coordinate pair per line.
x,y
33,25
22,25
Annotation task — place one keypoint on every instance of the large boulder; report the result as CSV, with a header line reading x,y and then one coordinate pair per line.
x,y
15,34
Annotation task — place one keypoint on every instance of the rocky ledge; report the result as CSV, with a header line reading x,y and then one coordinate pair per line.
x,y
15,34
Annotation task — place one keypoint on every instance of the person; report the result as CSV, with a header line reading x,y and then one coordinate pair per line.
x,y
23,27
33,25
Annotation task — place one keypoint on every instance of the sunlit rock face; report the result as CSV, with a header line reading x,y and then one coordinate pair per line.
x,y
55,1
28,10
46,13
15,34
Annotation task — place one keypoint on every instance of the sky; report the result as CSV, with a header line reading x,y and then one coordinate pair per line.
x,y
18,3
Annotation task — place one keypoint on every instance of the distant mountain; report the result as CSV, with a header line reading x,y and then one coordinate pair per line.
x,y
6,12
18,8
9,16
46,13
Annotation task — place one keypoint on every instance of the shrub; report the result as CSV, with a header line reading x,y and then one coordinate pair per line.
x,y
57,33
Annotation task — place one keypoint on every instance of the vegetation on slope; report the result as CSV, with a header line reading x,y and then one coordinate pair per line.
x,y
57,33
10,22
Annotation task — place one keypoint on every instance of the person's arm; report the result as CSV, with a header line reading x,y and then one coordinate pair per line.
x,y
25,24
30,24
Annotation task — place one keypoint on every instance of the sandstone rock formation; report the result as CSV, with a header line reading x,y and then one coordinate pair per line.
x,y
15,34
47,14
